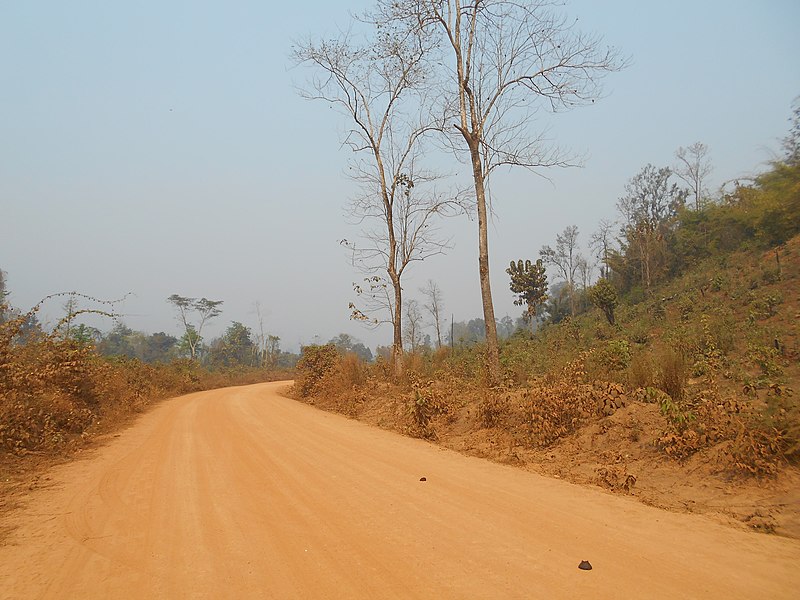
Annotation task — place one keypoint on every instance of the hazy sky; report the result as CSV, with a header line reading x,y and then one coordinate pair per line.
x,y
160,147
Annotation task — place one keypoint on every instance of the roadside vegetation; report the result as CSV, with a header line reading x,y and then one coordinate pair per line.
x,y
685,351
61,388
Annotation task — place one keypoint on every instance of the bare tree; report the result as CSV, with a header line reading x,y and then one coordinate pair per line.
x,y
693,168
585,272
435,307
601,242
261,336
496,63
413,328
566,259
791,143
377,85
206,310
4,308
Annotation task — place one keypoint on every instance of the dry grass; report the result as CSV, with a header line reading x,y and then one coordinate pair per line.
x,y
55,393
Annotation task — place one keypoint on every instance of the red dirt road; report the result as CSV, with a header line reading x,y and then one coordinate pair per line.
x,y
240,493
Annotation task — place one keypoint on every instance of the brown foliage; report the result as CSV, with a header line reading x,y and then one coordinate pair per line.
x,y
428,401
56,392
555,407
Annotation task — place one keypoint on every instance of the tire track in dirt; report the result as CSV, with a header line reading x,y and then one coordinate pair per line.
x,y
241,493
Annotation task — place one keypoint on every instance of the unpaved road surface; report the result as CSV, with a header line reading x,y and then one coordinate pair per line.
x,y
240,493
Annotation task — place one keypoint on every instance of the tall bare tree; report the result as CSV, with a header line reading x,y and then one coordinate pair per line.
x,y
494,64
601,242
566,259
435,307
413,327
791,143
693,168
378,85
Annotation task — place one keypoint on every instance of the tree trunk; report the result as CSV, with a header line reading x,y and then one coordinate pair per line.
x,y
492,349
397,325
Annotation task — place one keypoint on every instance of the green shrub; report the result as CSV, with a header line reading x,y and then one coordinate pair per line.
x,y
616,355
604,296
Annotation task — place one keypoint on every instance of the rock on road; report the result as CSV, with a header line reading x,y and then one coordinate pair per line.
x,y
241,493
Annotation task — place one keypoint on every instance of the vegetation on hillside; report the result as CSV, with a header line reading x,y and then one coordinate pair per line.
x,y
695,314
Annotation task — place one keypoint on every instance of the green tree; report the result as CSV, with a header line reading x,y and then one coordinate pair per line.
x,y
649,208
346,343
190,344
529,283
159,347
117,342
272,350
558,305
604,296
234,348
85,335
205,310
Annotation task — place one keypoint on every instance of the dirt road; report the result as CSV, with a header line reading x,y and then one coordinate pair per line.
x,y
240,493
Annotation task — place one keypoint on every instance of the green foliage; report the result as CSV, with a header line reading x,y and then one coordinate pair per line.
x,y
604,296
763,215
676,416
234,348
766,358
529,283
764,306
616,355
204,309
346,343
648,209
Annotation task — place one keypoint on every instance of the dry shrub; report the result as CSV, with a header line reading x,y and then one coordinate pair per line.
x,y
493,409
557,406
640,372
42,422
768,438
759,439
616,477
672,375
352,371
427,403
317,365
758,451
55,392
414,363
696,423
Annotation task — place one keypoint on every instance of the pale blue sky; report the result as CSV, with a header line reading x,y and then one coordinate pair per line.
x,y
160,147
